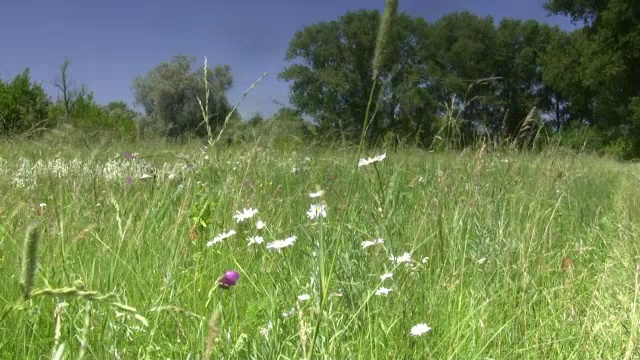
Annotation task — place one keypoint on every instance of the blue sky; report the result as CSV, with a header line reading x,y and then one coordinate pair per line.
x,y
111,42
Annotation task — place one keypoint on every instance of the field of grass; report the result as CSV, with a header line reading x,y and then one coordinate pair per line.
x,y
500,255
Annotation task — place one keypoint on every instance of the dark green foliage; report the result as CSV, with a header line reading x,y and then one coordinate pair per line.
x,y
606,77
332,74
492,76
23,105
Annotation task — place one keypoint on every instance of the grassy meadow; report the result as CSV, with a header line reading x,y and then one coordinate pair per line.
x,y
489,255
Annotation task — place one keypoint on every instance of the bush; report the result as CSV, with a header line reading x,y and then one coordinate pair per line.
x,y
23,105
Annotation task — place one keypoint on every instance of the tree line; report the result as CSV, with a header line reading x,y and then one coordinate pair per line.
x,y
451,83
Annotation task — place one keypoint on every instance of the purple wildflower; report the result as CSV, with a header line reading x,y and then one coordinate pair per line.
x,y
229,279
128,180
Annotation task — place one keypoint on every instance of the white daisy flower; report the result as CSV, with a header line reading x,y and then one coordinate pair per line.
x,y
245,214
367,243
316,211
420,329
383,291
369,161
404,258
386,276
316,194
255,240
280,244
260,225
220,237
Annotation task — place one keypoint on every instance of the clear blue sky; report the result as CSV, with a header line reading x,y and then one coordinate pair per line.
x,y
111,42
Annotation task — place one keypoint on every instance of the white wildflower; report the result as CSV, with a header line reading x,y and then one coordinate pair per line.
x,y
386,276
260,225
255,240
420,329
383,291
316,194
264,331
369,161
245,214
289,313
317,210
280,244
220,237
367,243
404,258
304,297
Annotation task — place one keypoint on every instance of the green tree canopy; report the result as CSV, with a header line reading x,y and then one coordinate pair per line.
x,y
608,63
23,105
169,94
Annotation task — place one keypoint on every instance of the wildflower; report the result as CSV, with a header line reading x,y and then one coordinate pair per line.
x,y
420,329
245,214
367,243
255,240
280,244
386,276
128,180
369,161
424,260
316,211
264,331
383,291
316,194
289,313
220,237
304,297
229,279
260,225
404,258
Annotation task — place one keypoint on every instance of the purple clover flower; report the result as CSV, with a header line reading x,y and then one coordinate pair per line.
x,y
229,279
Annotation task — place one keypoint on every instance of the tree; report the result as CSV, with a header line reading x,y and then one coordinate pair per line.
x,y
569,99
332,76
23,105
520,47
169,95
63,84
609,63
463,55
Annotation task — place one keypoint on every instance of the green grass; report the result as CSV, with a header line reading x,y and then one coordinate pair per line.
x,y
487,235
